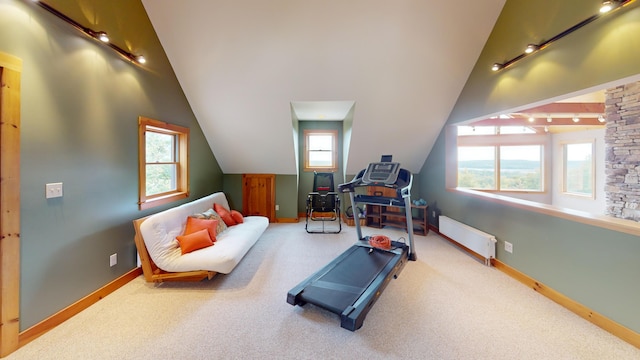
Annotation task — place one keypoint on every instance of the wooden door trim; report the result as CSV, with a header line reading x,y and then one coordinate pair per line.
x,y
271,211
10,72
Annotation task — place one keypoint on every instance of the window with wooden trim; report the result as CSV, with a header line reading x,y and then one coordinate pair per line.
x,y
320,150
506,161
162,163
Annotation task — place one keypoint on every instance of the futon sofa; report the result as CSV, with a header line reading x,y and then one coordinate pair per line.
x,y
162,256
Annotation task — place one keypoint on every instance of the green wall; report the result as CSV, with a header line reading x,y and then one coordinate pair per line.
x,y
80,104
593,266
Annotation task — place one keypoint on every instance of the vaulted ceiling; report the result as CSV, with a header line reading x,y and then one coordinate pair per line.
x,y
246,65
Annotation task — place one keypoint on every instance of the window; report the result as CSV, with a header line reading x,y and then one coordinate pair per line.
x,y
320,150
521,168
496,163
578,165
163,162
477,167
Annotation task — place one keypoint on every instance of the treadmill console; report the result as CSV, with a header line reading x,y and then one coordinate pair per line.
x,y
381,173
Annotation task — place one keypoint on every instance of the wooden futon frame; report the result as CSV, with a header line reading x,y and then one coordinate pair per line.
x,y
154,274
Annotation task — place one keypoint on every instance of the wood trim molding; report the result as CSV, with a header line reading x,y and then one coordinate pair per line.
x,y
584,312
287,220
10,72
65,314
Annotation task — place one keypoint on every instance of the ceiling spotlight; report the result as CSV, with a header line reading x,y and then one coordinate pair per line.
x,y
102,36
607,6
140,59
531,48
576,119
549,119
532,119
546,129
496,67
601,118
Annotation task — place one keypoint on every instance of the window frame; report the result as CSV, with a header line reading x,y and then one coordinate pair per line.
x,y
334,150
182,162
564,176
497,141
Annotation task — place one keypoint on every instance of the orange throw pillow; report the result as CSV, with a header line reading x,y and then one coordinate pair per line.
x,y
195,224
224,214
195,241
237,216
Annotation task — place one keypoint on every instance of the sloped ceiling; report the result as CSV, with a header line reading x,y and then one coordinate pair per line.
x,y
242,63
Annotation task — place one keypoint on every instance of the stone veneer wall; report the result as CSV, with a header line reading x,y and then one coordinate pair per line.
x,y
622,145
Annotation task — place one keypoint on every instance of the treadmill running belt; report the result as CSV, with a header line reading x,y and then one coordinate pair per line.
x,y
341,286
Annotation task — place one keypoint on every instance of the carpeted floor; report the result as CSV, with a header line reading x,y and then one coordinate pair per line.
x,y
446,305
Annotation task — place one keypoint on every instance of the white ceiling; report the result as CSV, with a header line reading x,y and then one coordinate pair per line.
x,y
245,64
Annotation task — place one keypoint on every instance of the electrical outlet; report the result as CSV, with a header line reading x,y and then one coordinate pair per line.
x,y
53,190
433,213
277,207
508,247
113,260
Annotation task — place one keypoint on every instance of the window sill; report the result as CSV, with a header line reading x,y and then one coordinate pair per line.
x,y
161,200
602,221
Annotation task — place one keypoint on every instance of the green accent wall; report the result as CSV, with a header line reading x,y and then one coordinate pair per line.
x,y
286,195
593,266
80,104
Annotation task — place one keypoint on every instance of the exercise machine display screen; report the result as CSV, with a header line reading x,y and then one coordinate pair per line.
x,y
381,173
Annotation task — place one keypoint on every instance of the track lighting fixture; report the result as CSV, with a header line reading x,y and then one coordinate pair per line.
x,y
576,119
601,118
98,35
607,7
531,48
549,119
102,36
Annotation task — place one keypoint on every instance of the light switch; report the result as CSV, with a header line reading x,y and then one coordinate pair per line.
x,y
53,190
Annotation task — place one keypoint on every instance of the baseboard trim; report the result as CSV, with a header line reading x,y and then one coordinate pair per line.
x,y
61,316
286,220
584,312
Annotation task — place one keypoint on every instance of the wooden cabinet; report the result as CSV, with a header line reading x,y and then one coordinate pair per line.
x,y
258,195
382,215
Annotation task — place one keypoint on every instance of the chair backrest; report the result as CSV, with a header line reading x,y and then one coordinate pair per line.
x,y
323,182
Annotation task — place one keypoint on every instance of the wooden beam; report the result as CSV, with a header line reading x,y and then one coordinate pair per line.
x,y
569,108
10,69
524,121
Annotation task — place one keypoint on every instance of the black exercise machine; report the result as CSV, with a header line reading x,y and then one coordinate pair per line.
x,y
323,205
350,284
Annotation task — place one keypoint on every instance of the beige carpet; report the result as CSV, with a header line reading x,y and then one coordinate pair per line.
x,y
446,305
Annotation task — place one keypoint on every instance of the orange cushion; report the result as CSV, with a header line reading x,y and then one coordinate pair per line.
x,y
195,241
237,216
195,224
224,214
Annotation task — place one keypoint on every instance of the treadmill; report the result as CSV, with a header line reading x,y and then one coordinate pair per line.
x,y
351,283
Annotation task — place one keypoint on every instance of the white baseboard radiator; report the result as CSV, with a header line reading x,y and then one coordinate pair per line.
x,y
473,239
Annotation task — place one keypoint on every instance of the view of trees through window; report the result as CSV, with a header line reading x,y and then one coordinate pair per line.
x,y
160,162
519,167
578,160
